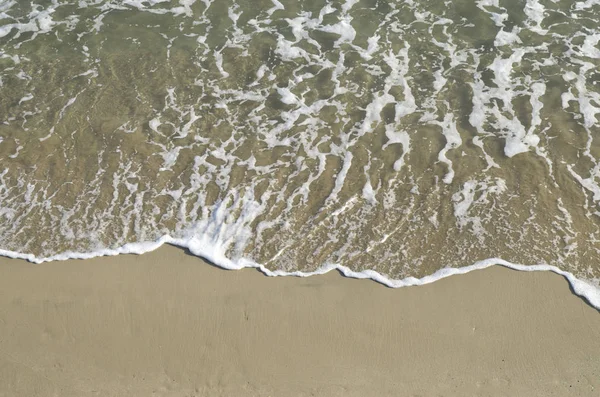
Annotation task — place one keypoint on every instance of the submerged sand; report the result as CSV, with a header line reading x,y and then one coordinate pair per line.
x,y
168,324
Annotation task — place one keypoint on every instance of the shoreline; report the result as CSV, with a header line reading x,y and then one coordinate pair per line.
x,y
580,287
169,324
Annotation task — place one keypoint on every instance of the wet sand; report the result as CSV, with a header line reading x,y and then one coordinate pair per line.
x,y
168,324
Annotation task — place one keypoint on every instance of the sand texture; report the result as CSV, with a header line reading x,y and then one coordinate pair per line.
x,y
168,324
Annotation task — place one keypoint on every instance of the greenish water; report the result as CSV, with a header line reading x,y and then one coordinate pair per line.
x,y
396,136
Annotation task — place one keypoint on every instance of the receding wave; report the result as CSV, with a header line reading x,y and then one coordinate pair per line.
x,y
389,138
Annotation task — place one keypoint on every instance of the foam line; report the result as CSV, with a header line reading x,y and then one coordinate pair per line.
x,y
199,248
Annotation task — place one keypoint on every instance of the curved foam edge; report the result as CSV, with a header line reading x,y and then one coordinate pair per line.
x,y
200,248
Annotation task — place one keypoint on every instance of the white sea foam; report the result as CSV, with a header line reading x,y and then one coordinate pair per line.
x,y
507,38
453,141
535,12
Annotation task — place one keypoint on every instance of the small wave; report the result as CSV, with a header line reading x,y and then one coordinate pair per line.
x,y
388,136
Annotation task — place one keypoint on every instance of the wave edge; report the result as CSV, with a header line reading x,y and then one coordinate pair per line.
x,y
198,247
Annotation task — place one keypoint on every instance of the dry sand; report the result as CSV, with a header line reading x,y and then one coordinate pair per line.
x,y
168,324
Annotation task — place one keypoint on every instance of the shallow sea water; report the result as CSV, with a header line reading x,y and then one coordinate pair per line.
x,y
396,136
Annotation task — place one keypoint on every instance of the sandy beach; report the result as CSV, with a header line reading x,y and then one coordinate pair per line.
x,y
168,324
